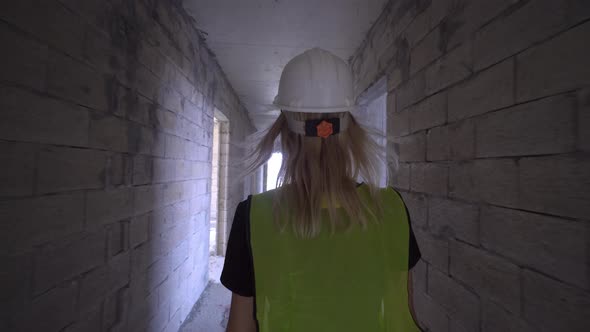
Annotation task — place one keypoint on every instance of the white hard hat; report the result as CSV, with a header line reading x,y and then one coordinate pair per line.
x,y
316,81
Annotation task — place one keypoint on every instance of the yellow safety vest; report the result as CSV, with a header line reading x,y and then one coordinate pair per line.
x,y
347,281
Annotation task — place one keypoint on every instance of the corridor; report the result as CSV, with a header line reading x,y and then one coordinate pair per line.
x,y
123,131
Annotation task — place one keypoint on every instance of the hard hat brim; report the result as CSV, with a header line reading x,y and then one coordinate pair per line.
x,y
314,109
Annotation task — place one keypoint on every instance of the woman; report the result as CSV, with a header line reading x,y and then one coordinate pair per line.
x,y
322,252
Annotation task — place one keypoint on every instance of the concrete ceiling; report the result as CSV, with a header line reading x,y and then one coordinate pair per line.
x,y
254,39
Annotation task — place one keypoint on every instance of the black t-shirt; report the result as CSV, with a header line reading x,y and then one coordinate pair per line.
x,y
238,269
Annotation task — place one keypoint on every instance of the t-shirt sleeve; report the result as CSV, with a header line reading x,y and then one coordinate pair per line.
x,y
237,274
414,253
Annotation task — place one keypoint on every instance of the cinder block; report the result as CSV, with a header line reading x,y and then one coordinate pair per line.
x,y
143,305
429,113
88,322
437,11
104,207
68,258
190,150
174,192
430,314
192,112
398,123
25,61
61,169
164,170
162,220
493,181
180,252
461,304
426,51
429,178
201,170
18,168
111,133
149,56
139,230
77,82
546,244
438,146
123,308
462,140
530,23
417,205
400,177
117,237
97,48
202,187
419,27
555,185
175,147
541,71
142,170
51,22
412,147
183,170
464,19
490,276
489,90
145,81
109,310
104,281
175,320
53,310
142,257
119,170
157,273
33,221
137,107
554,306
419,272
456,325
31,117
411,91
532,128
160,319
435,250
451,68
204,154
447,218
148,198
496,318
166,121
159,144
170,99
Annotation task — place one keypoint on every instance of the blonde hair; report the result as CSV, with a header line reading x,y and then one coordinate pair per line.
x,y
318,172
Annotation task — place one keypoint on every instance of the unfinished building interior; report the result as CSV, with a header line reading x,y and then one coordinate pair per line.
x,y
121,123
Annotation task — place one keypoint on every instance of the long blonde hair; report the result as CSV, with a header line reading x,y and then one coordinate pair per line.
x,y
321,172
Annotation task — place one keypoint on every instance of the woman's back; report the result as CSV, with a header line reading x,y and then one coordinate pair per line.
x,y
352,280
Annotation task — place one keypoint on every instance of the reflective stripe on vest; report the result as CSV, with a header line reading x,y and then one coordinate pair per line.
x,y
349,281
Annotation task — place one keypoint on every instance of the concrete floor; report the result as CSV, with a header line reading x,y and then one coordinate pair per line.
x,y
210,313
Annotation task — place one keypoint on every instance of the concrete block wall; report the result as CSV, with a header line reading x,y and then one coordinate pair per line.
x,y
106,119
488,101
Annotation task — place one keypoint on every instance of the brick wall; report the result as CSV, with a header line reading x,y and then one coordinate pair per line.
x,y
105,140
488,101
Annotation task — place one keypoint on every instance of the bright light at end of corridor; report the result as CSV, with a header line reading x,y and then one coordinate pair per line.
x,y
274,165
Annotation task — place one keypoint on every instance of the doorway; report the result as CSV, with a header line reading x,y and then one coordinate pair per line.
x,y
219,170
372,113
